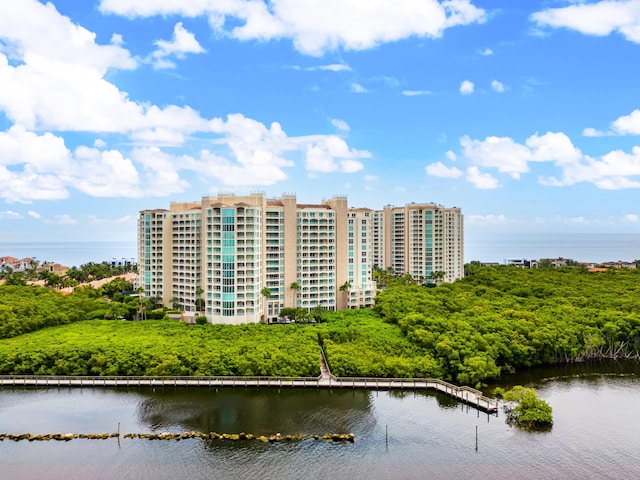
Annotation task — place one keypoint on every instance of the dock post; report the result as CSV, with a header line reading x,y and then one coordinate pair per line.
x,y
476,438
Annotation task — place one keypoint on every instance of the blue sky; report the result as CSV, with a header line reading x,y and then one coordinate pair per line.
x,y
526,114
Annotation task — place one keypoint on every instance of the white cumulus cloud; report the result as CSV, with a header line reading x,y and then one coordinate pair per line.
x,y
57,82
357,88
315,27
512,158
10,215
613,171
183,42
340,124
439,169
497,86
599,18
33,167
482,181
592,132
105,174
249,153
58,39
624,125
466,87
628,124
332,154
501,153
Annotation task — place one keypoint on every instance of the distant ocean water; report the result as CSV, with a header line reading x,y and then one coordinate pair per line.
x,y
486,247
71,253
587,247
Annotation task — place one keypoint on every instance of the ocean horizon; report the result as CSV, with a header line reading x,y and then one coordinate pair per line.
x,y
71,254
484,247
581,247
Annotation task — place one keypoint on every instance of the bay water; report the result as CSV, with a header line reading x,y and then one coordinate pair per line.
x,y
401,434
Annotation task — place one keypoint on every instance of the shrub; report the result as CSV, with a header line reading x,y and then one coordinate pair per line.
x,y
96,314
531,411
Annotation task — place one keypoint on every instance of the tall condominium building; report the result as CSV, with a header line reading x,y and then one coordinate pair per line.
x,y
360,289
242,259
421,239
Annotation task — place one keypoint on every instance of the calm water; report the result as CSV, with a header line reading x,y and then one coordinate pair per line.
x,y
595,435
486,247
70,253
582,247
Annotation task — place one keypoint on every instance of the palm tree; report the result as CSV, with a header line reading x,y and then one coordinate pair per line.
x,y
142,303
295,286
199,299
176,303
266,293
156,302
438,276
407,279
53,281
345,287
382,277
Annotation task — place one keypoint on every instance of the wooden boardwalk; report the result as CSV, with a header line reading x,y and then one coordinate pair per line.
x,y
466,395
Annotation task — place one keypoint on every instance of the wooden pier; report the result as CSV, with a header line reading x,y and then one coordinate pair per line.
x,y
463,394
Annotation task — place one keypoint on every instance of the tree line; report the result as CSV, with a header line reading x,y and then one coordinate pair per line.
x,y
501,319
495,320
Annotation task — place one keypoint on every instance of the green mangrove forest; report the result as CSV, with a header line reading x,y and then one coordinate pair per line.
x,y
495,320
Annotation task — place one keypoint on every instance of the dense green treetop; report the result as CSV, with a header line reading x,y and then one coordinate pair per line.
x,y
505,318
27,308
530,412
496,320
100,347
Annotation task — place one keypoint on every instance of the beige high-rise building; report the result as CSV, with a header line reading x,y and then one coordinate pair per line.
x,y
424,238
242,259
361,289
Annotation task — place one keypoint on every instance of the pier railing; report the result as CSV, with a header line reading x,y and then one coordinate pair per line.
x,y
464,394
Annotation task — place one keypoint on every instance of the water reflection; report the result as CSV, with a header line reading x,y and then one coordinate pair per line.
x,y
444,401
398,434
593,370
257,411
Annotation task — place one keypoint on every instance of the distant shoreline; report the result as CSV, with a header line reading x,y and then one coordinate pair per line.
x,y
482,246
72,253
